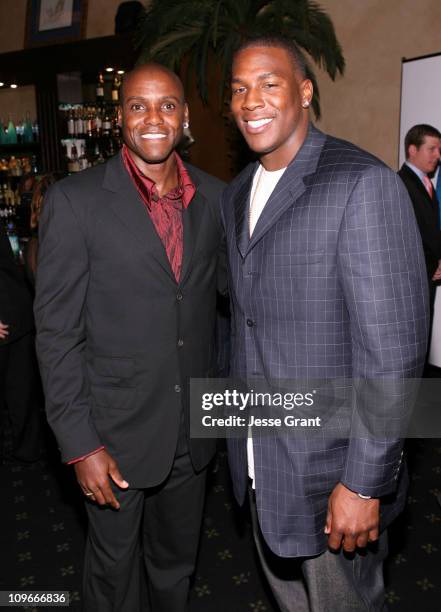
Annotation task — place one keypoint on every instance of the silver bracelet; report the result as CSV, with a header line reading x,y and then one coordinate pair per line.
x,y
364,496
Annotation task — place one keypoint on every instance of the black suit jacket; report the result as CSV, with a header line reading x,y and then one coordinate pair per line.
x,y
427,216
15,297
117,338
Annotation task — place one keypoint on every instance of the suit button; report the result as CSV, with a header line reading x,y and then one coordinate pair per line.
x,y
250,323
155,197
180,342
178,388
179,296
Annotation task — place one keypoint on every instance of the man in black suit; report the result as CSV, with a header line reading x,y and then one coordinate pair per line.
x,y
18,367
422,147
130,260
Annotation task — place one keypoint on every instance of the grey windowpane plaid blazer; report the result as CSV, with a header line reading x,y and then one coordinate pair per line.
x,y
333,285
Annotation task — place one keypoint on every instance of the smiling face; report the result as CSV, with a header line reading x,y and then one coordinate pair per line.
x,y
152,114
427,155
266,103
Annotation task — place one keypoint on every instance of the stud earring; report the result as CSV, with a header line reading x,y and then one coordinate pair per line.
x,y
305,104
186,124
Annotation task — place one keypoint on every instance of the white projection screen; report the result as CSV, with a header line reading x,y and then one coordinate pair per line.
x,y
420,95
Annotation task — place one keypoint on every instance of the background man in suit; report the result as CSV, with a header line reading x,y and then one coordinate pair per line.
x,y
423,148
129,263
326,282
19,384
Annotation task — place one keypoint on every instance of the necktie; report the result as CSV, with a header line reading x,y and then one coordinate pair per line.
x,y
428,185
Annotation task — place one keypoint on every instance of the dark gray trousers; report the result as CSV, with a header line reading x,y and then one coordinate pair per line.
x,y
329,582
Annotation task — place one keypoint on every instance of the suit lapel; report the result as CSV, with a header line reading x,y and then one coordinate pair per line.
x,y
433,202
191,218
127,205
286,194
241,209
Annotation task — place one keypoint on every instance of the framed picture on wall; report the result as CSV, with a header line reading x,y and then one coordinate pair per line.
x,y
54,21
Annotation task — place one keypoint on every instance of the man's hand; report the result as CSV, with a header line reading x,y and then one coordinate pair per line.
x,y
351,520
437,275
3,331
93,477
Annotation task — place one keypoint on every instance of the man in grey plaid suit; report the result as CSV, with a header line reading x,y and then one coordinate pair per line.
x,y
327,281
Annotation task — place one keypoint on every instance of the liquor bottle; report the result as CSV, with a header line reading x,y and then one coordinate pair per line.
x,y
116,133
115,88
71,123
100,88
13,239
34,164
98,122
27,131
89,123
20,128
3,135
35,131
93,120
79,123
73,164
12,134
82,160
107,124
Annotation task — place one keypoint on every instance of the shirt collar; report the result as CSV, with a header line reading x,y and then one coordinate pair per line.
x,y
420,174
185,189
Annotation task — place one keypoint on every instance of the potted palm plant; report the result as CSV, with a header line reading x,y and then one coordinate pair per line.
x,y
200,31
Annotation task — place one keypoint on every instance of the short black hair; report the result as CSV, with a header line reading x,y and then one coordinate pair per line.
x,y
282,42
416,135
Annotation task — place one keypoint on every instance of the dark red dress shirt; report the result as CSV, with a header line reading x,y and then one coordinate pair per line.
x,y
166,211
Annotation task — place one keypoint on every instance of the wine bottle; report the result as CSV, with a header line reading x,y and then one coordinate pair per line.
x,y
115,88
100,88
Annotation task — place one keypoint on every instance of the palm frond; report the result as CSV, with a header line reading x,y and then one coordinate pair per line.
x,y
172,30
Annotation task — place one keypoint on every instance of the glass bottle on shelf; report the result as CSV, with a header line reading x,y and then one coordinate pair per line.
x,y
71,123
98,122
12,134
115,88
19,129
13,238
34,164
28,135
82,160
73,163
100,88
79,123
3,135
89,123
107,124
35,131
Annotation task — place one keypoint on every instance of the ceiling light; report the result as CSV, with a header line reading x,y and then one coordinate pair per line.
x,y
13,85
109,69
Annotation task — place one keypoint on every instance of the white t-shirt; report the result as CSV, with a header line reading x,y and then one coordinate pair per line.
x,y
264,183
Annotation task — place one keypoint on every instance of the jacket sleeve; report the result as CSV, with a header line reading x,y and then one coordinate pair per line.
x,y
382,274
60,306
